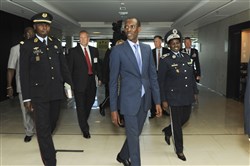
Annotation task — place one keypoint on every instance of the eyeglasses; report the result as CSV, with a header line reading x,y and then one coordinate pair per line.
x,y
130,26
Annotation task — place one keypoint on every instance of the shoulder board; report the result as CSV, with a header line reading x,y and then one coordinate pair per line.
x,y
50,38
165,55
22,42
35,40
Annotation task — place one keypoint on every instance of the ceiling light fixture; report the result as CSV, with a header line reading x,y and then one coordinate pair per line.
x,y
123,11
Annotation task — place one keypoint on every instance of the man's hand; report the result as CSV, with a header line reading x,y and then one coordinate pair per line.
x,y
28,106
115,118
10,92
158,110
165,105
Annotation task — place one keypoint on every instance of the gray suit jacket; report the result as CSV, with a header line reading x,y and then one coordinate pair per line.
x,y
123,63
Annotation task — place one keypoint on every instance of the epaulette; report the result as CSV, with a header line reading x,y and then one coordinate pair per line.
x,y
36,40
165,55
50,38
22,42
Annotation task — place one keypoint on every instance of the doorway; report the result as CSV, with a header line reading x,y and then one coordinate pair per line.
x,y
238,57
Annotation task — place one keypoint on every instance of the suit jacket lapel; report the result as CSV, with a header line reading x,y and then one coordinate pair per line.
x,y
81,54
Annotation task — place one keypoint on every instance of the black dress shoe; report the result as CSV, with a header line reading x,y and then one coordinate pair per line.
x,y
86,135
27,138
166,113
167,139
181,156
101,110
125,162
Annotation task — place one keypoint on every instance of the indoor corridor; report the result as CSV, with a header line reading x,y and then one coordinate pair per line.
x,y
214,135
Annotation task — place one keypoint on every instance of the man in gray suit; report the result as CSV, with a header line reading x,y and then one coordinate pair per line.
x,y
134,63
13,69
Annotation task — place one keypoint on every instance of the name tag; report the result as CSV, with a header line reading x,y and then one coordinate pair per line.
x,y
95,60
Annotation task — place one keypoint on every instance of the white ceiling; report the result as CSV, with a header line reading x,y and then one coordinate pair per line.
x,y
157,16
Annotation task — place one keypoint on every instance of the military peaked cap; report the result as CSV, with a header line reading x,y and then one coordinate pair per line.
x,y
172,34
43,17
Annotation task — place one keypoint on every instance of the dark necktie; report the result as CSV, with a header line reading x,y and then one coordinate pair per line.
x,y
44,42
90,72
159,56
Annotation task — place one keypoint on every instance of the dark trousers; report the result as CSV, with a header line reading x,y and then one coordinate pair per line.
x,y
133,125
179,115
84,102
46,116
105,102
153,110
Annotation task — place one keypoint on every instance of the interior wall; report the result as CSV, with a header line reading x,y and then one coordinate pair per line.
x,y
213,39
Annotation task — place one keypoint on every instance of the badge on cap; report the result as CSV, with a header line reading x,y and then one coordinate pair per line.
x,y
44,15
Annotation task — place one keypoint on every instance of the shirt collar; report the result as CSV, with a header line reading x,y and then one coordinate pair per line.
x,y
41,39
132,43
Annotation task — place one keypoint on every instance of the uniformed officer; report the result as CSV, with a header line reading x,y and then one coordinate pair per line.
x,y
43,72
177,87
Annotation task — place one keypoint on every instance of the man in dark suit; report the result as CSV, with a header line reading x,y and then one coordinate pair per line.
x,y
43,72
194,55
84,65
133,62
158,51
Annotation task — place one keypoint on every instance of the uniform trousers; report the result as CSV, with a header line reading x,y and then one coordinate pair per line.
x,y
28,121
179,115
84,102
46,116
133,125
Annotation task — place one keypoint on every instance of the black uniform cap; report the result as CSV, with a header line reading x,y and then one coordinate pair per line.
x,y
43,17
172,34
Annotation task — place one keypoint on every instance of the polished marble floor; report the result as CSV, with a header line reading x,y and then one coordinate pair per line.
x,y
214,135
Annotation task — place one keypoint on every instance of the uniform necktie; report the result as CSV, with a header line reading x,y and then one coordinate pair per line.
x,y
44,42
139,61
90,72
138,57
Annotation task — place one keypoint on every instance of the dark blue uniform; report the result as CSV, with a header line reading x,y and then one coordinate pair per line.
x,y
43,72
176,77
177,87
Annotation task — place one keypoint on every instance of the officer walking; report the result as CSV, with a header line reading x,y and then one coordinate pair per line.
x,y
177,87
43,72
